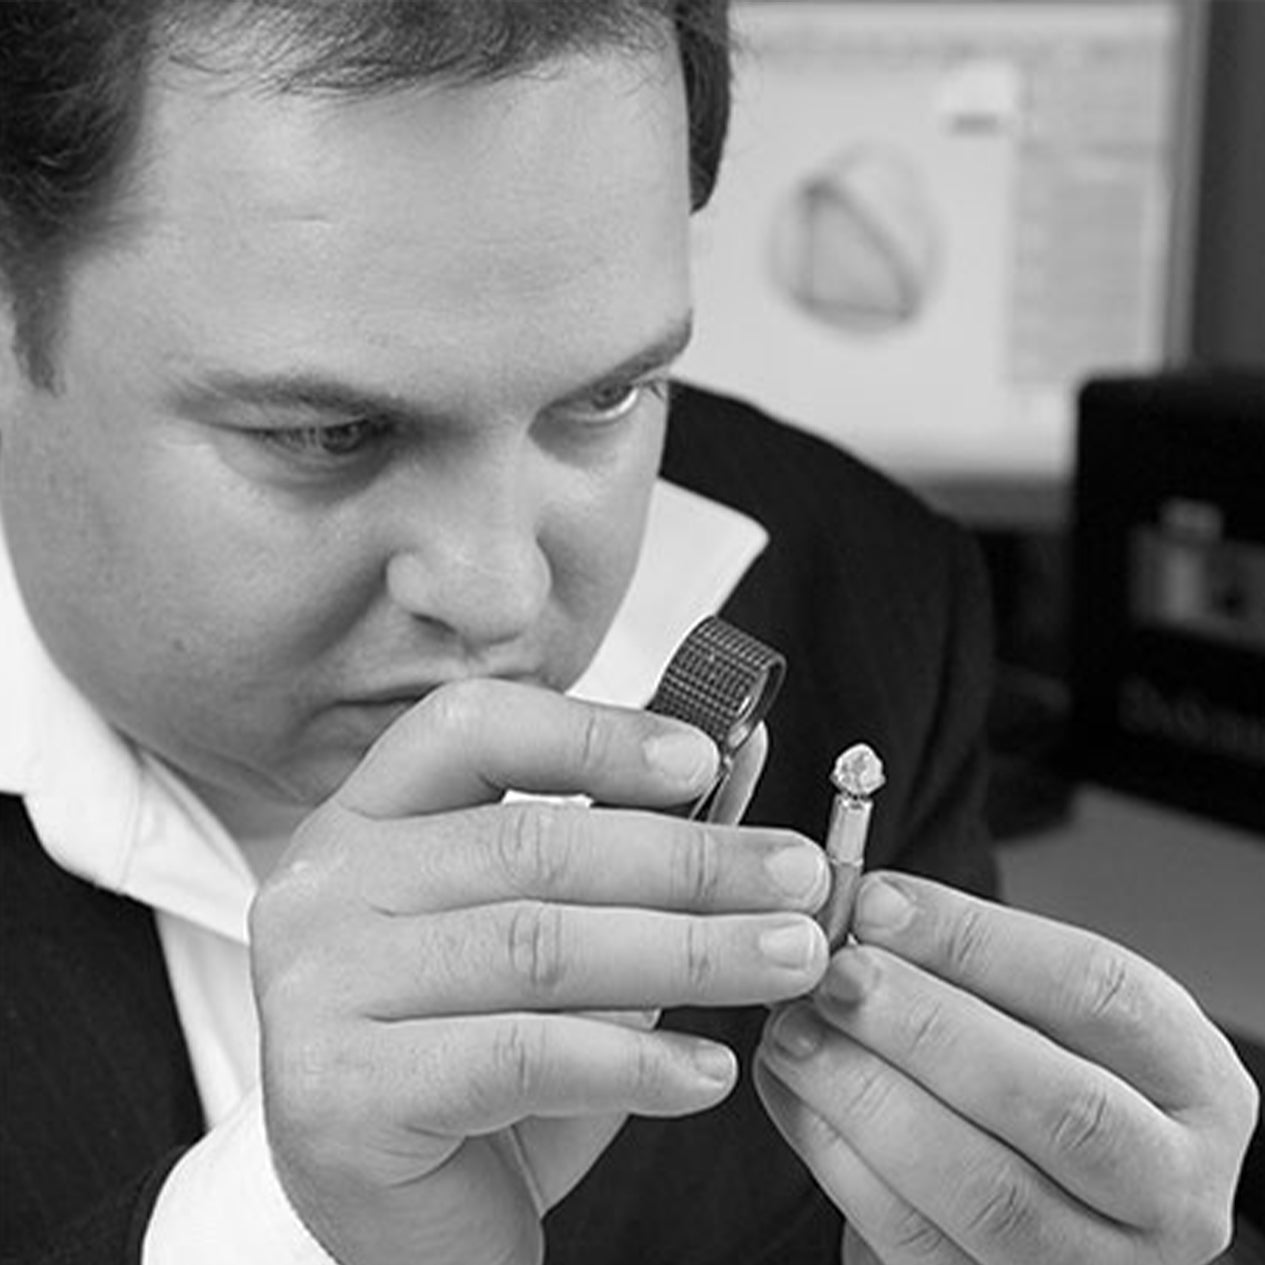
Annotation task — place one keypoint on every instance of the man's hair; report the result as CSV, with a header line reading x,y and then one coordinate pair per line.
x,y
73,76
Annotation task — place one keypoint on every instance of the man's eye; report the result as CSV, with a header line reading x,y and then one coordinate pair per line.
x,y
612,402
325,443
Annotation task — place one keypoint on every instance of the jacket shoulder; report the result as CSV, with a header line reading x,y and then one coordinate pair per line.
x,y
790,480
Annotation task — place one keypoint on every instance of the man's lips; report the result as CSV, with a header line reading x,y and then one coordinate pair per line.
x,y
406,695
357,717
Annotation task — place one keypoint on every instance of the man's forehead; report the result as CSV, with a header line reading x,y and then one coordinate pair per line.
x,y
215,142
531,232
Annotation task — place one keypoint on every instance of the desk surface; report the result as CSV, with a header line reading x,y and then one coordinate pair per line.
x,y
1181,890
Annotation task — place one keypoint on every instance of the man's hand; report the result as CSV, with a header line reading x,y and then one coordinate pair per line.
x,y
453,990
974,1084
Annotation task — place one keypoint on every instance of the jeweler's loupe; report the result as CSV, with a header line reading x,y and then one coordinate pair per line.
x,y
723,681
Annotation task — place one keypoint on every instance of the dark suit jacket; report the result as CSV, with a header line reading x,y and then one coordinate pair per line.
x,y
881,610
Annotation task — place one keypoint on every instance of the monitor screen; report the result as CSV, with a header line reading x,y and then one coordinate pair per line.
x,y
935,220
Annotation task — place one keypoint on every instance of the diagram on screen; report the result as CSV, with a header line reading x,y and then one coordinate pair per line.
x,y
856,244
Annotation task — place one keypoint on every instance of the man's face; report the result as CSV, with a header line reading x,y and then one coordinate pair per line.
x,y
367,399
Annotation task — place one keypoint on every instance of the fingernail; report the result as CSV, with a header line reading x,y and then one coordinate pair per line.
x,y
851,977
798,1033
714,1063
683,756
800,871
881,906
794,945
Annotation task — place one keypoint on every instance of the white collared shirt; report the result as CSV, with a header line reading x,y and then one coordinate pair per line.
x,y
121,819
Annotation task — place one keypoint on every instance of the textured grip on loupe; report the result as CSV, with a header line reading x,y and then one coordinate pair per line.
x,y
722,680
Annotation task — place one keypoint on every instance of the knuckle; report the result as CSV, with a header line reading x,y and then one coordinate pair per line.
x,y
312,1083
1000,1210
594,740
533,845
867,1094
645,1070
699,955
820,1134
458,709
296,988
914,1237
519,1056
696,867
926,1029
1083,1127
283,907
1106,985
535,947
969,944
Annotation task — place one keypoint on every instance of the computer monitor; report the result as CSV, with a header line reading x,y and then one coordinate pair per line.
x,y
937,219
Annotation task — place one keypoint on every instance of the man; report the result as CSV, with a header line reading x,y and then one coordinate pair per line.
x,y
335,391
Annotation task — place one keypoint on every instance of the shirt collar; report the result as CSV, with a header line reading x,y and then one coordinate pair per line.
x,y
673,587
112,814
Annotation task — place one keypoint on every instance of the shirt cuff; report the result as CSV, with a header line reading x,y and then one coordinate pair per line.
x,y
223,1202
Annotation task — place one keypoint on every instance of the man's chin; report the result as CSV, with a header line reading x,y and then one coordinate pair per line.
x,y
309,782
300,783
332,751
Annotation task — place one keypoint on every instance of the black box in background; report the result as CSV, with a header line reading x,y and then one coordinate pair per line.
x,y
1167,664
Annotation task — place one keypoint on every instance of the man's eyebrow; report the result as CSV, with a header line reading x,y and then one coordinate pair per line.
x,y
317,393
311,392
656,355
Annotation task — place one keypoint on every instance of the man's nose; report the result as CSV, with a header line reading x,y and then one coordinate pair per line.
x,y
472,561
